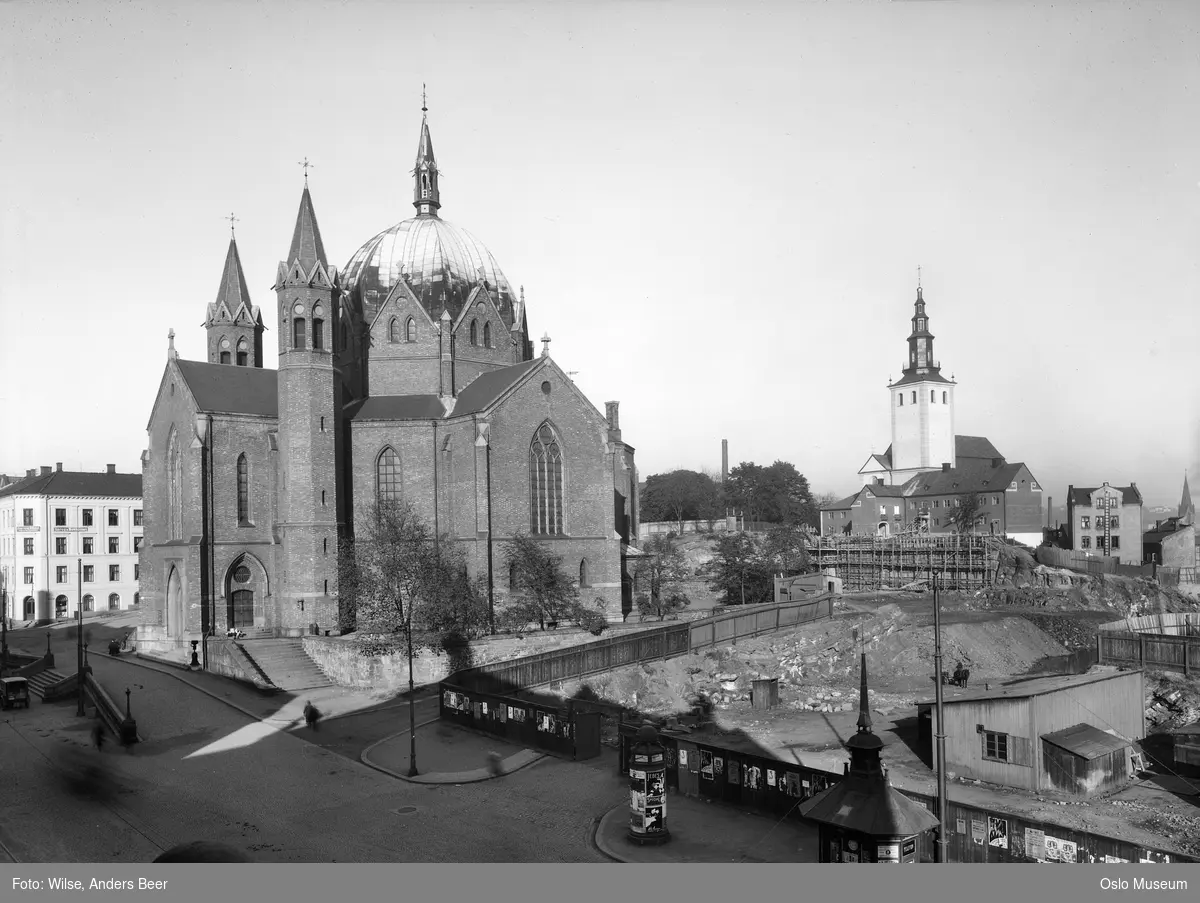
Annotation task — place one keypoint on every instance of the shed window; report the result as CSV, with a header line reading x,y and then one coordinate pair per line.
x,y
995,746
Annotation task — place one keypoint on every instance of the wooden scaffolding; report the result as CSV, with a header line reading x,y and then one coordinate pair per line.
x,y
965,560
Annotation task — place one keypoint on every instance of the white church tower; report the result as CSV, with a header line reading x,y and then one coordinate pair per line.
x,y
922,407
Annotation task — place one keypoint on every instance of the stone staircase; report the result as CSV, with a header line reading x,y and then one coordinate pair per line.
x,y
43,679
285,663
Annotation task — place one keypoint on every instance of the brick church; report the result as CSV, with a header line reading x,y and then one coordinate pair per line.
x,y
407,375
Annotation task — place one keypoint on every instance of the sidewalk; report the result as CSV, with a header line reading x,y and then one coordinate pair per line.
x,y
460,755
710,832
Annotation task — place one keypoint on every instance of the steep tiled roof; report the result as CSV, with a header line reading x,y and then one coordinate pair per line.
x,y
1082,497
974,447
882,492
489,386
398,407
76,483
974,476
222,389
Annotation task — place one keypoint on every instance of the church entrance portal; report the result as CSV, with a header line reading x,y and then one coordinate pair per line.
x,y
241,608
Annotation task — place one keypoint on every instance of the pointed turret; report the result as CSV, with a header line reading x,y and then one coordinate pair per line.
x,y
306,238
1187,510
864,746
234,325
426,197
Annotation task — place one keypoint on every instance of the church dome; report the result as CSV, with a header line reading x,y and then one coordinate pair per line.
x,y
441,263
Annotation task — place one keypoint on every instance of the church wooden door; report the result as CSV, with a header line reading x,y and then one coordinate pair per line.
x,y
241,608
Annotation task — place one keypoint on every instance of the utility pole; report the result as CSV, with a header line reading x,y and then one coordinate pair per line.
x,y
412,702
79,650
3,623
943,807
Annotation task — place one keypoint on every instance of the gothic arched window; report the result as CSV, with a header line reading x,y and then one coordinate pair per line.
x,y
583,573
487,335
545,483
298,334
243,490
243,353
394,331
225,358
174,487
474,333
318,335
387,476
411,330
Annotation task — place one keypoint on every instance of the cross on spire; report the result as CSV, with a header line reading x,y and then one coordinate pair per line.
x,y
918,275
232,219
306,166
546,344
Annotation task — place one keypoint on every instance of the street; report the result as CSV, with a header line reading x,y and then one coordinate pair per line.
x,y
207,771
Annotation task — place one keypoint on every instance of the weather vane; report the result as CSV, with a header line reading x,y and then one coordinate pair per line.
x,y
424,109
918,275
232,219
306,166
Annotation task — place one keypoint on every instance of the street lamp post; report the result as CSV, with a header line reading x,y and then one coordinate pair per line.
x,y
943,807
412,703
3,623
79,680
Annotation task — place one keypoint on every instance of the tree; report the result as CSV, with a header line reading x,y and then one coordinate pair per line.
x,y
778,494
659,573
968,513
785,547
740,571
680,495
402,589
543,591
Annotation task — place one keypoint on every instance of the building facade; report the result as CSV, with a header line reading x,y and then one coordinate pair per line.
x,y
1106,521
410,376
70,540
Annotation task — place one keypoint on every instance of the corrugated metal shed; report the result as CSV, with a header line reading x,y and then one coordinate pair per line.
x,y
1086,741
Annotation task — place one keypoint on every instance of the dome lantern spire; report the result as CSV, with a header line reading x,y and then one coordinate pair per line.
x,y
426,197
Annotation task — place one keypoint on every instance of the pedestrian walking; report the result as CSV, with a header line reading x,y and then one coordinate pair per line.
x,y
311,714
98,736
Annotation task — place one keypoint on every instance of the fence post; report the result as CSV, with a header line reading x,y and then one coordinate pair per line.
x,y
1142,650
1099,649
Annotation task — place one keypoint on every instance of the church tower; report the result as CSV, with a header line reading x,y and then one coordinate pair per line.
x,y
310,428
235,326
922,406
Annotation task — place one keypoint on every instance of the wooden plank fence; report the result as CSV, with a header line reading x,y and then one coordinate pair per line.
x,y
654,644
1149,650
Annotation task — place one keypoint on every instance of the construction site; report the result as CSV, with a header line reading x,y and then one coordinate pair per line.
x,y
964,561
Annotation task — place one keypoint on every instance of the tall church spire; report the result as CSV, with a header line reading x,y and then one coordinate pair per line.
x,y
426,197
1187,510
306,239
920,342
234,325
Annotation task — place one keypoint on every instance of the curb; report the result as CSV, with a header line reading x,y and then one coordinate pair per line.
x,y
602,844
515,762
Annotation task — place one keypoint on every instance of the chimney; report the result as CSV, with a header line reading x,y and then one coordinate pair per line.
x,y
46,471
945,467
1049,509
724,461
32,472
58,466
997,462
879,481
112,468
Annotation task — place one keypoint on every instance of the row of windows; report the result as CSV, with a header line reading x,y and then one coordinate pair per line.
x,y
89,545
410,332
1085,542
545,481
1113,522
243,352
86,517
300,334
62,575
932,398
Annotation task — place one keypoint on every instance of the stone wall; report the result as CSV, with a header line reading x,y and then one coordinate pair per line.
x,y
338,657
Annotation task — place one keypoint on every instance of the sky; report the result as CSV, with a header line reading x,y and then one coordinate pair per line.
x,y
717,211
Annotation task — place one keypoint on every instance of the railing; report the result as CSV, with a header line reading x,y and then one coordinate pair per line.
x,y
122,725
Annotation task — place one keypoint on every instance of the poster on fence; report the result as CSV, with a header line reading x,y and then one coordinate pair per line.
x,y
1060,850
978,829
1035,844
998,832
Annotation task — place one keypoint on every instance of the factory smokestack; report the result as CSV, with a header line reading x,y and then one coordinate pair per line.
x,y
724,461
